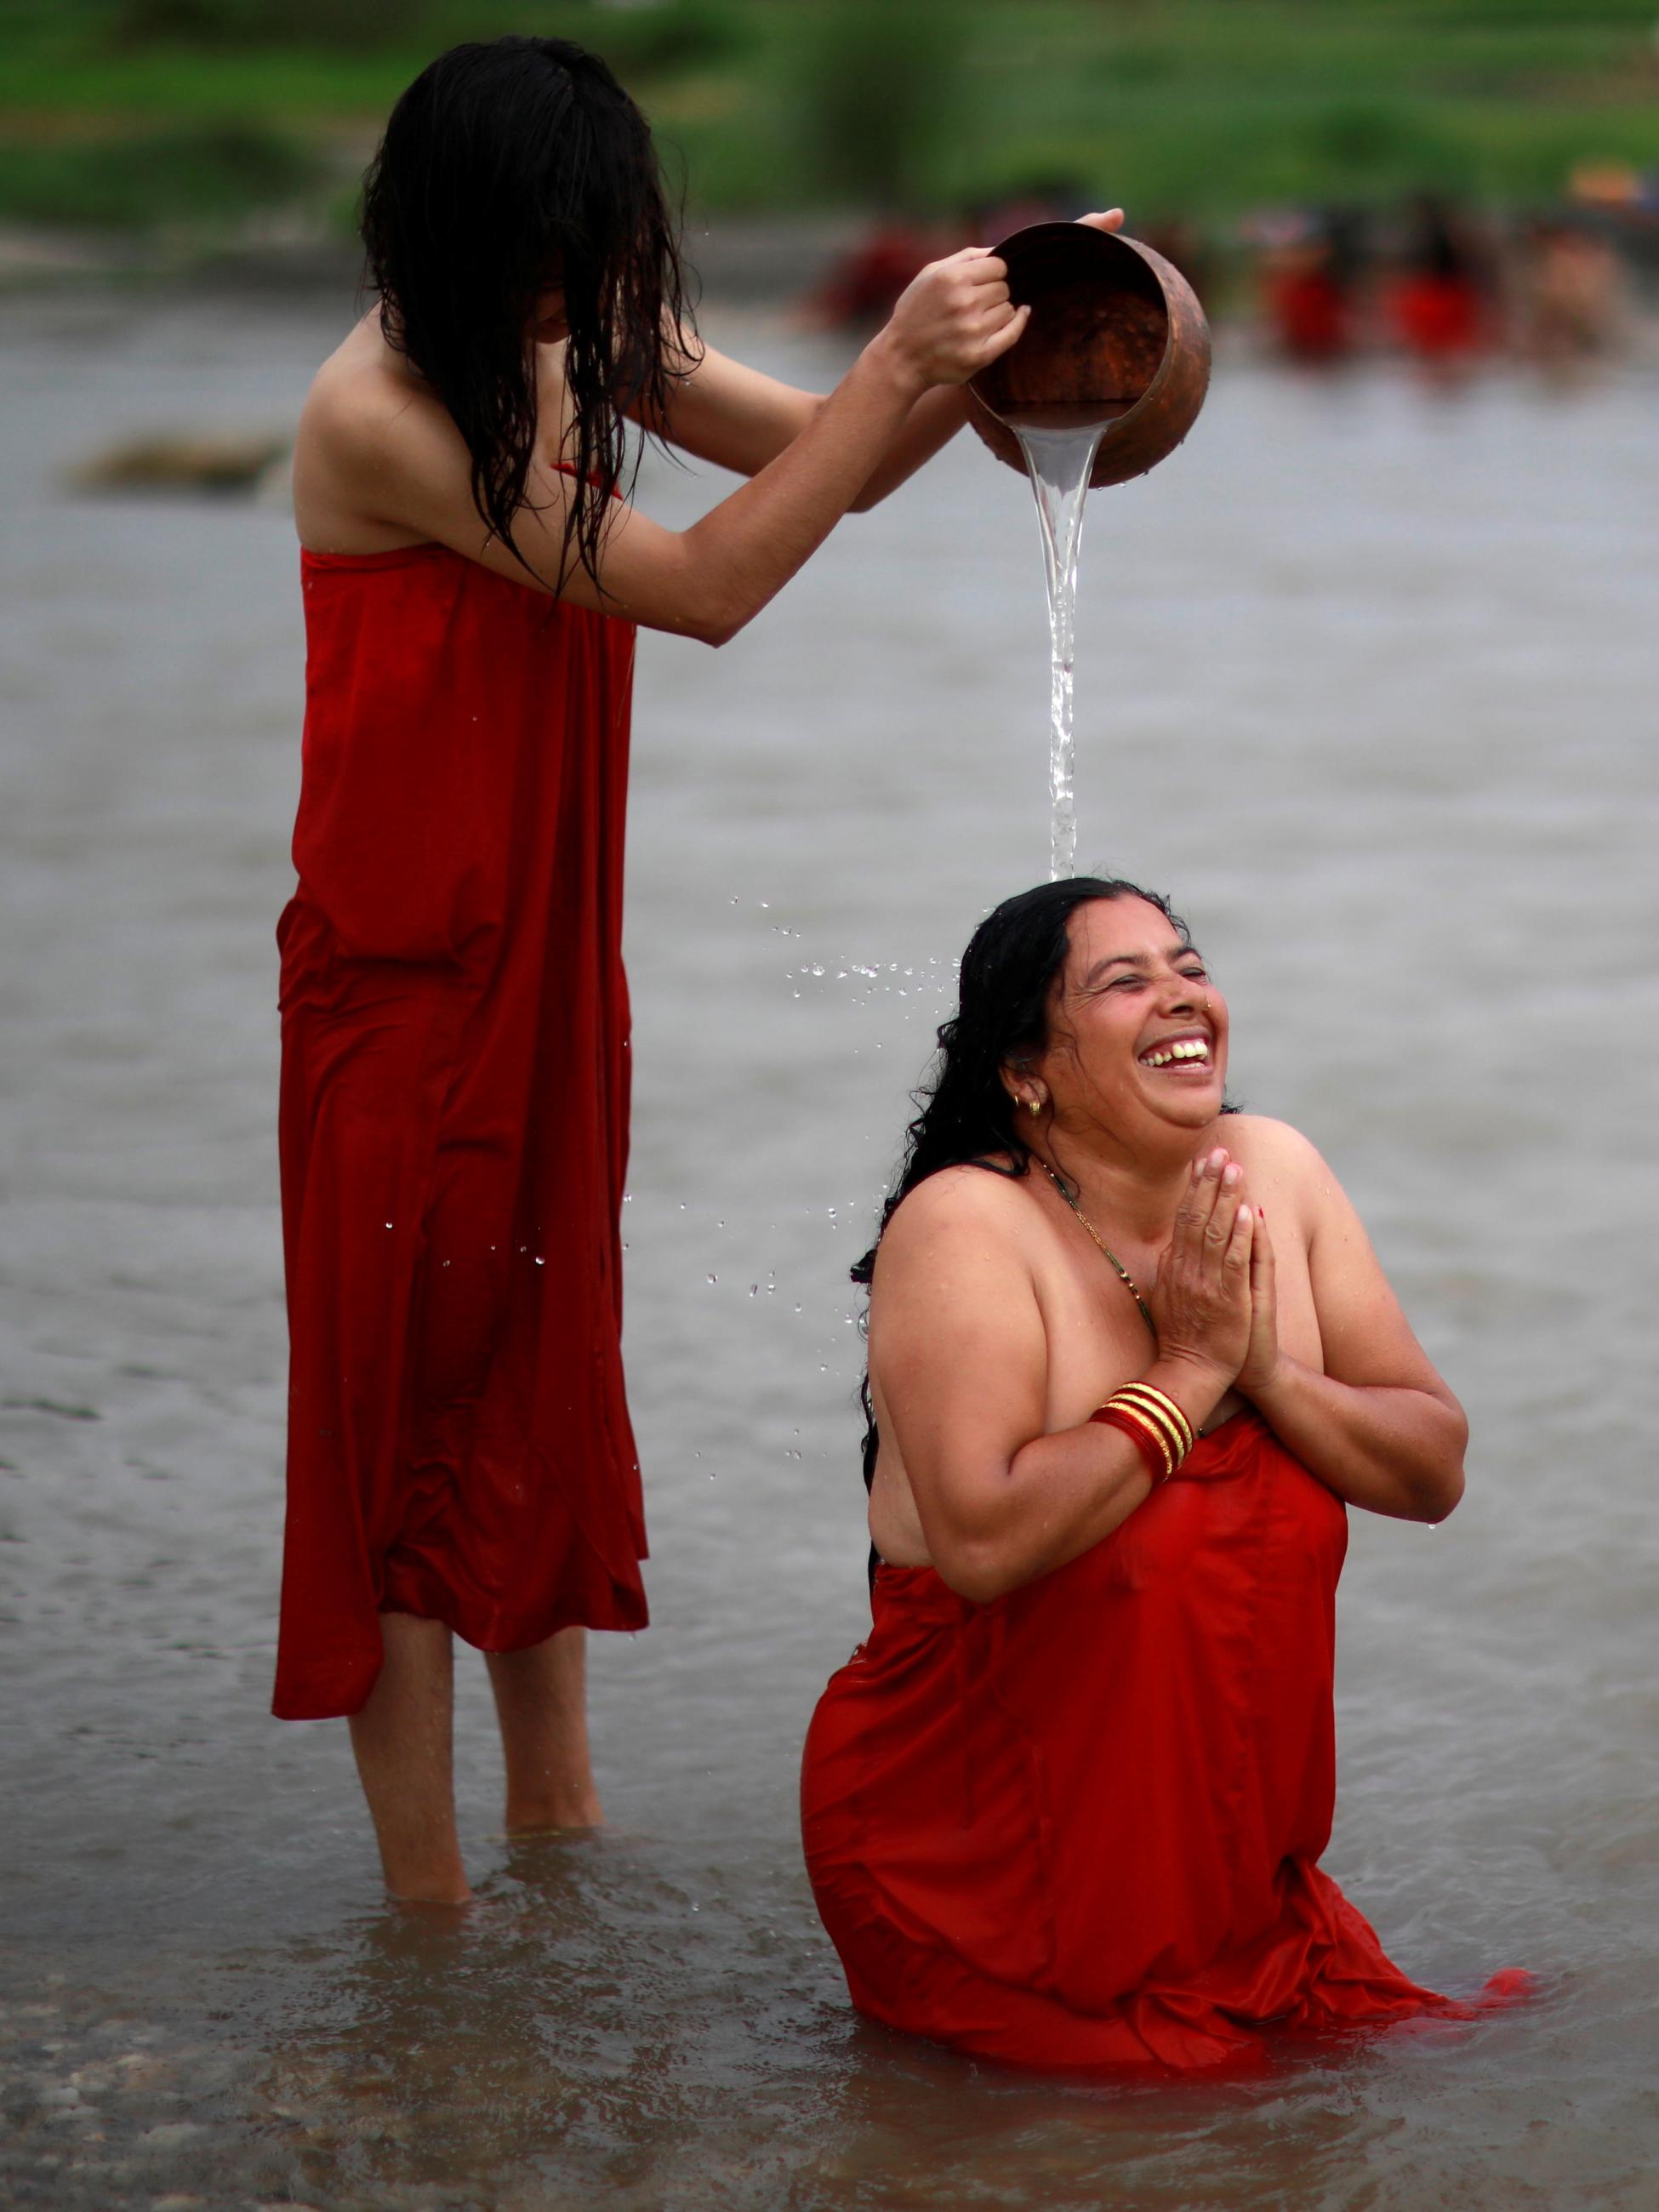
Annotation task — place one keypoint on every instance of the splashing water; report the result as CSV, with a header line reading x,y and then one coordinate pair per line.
x,y
1060,451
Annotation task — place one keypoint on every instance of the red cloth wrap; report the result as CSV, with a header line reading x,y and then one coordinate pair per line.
x,y
453,1122
1080,1826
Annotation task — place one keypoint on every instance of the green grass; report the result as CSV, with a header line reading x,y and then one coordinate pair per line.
x,y
139,181
1204,107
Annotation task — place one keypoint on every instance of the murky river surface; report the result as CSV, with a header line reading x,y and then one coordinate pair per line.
x,y
1366,679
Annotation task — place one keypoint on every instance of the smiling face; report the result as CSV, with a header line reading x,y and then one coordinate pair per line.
x,y
1138,1033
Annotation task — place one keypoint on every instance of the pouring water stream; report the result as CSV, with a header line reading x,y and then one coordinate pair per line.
x,y
1059,457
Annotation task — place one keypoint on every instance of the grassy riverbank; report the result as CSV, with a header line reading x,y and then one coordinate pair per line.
x,y
131,113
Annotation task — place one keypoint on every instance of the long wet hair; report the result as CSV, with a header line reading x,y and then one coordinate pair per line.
x,y
509,169
965,1116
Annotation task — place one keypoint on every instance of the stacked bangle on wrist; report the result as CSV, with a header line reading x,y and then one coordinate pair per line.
x,y
1153,1422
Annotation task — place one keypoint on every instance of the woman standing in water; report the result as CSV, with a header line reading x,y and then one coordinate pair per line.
x,y
455,1107
1065,1807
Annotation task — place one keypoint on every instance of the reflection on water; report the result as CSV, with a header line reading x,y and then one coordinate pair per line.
x,y
1381,720
595,2033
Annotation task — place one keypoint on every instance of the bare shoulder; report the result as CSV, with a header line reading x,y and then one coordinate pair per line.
x,y
1290,1170
371,438
1279,1159
1257,1140
363,403
958,1203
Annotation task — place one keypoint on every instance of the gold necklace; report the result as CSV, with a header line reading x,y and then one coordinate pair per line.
x,y
1117,1266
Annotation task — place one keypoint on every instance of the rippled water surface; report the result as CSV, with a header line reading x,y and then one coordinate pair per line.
x,y
1366,678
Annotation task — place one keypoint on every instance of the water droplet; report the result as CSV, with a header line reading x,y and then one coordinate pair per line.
x,y
754,1290
713,1278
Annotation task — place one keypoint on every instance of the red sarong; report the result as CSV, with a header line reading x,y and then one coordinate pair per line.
x,y
455,1122
1079,1827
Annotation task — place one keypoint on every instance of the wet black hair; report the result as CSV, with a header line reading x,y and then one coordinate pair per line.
x,y
508,169
966,1117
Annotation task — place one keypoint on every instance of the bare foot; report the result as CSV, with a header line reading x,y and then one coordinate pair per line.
x,y
440,1905
554,1813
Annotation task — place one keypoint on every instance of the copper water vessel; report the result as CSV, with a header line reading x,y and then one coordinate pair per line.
x,y
1116,336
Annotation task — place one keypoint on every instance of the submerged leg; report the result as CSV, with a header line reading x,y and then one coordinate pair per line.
x,y
403,1739
541,1701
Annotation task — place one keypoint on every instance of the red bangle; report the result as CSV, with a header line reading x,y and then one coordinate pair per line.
x,y
1161,1431
1147,1439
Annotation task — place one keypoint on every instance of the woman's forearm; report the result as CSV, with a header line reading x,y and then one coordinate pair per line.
x,y
932,423
1063,1492
744,551
1393,1451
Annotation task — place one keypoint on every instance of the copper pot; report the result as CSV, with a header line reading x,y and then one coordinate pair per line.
x,y
1116,336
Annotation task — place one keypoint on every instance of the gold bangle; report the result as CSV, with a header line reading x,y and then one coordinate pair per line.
x,y
1148,1442
1159,1415
1159,1403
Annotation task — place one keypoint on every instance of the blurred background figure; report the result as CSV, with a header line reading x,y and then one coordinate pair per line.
x,y
1440,309
1310,290
1572,302
863,286
1185,245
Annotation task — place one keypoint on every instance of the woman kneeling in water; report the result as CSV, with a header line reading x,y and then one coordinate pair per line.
x,y
1065,1807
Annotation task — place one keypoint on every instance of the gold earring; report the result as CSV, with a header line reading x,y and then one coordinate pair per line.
x,y
1035,1105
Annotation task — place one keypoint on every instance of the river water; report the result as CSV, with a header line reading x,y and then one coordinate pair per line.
x,y
1365,678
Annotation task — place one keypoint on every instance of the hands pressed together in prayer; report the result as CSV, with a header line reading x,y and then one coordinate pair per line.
x,y
1215,1303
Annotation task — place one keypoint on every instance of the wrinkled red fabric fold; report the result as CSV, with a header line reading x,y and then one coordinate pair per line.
x,y
1080,1827
453,1122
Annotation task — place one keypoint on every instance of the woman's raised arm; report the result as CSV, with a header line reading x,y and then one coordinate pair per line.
x,y
740,419
406,466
